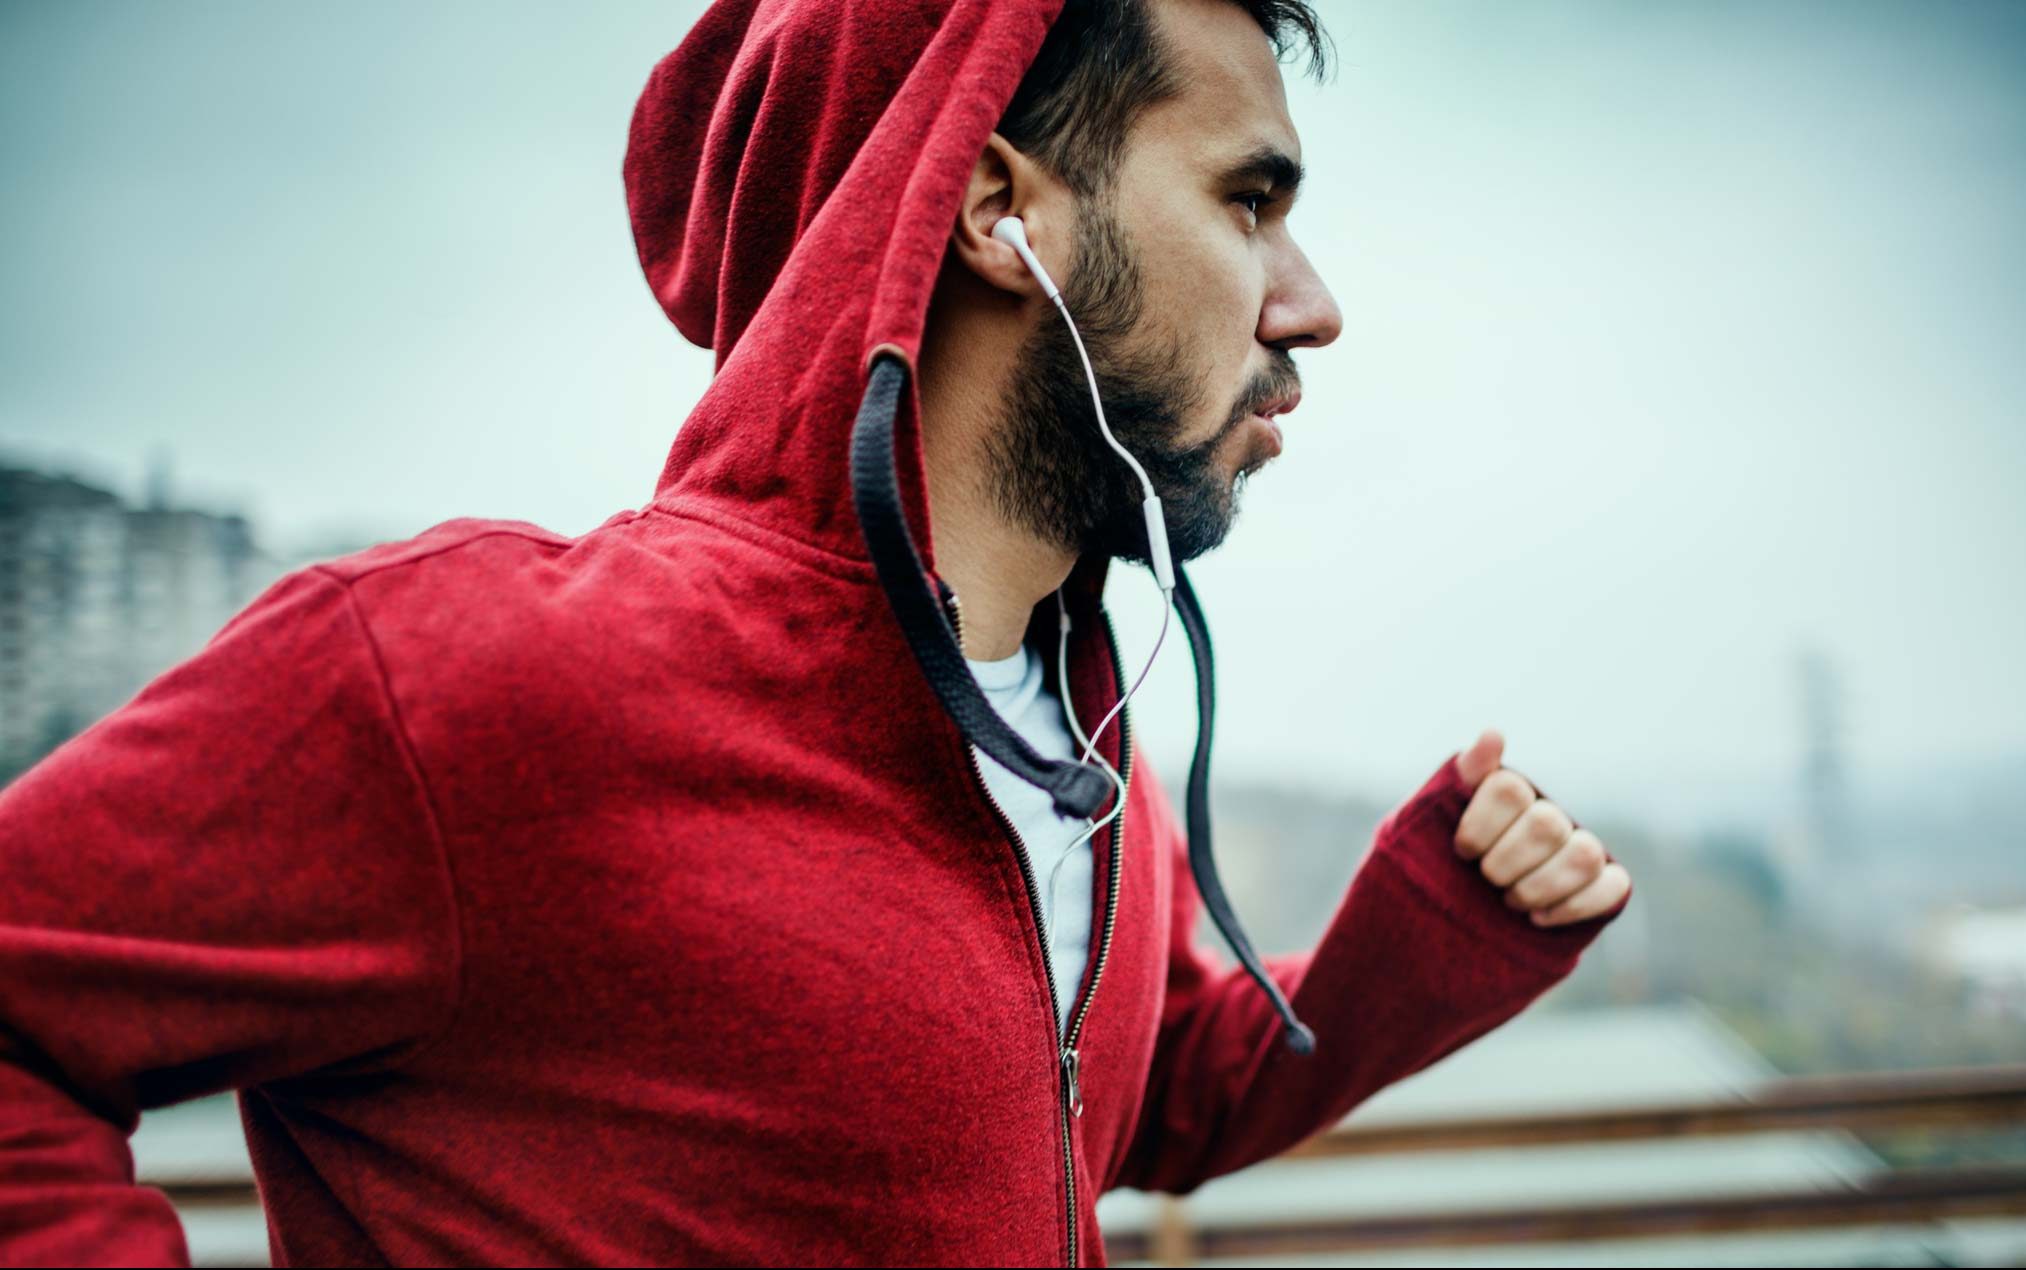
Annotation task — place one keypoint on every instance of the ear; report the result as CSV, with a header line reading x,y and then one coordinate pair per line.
x,y
1005,182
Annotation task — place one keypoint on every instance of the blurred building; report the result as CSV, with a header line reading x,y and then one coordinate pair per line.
x,y
1985,950
96,598
1826,830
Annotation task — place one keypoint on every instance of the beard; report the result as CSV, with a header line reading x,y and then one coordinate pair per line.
x,y
1052,471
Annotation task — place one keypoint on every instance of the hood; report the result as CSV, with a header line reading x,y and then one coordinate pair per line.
x,y
792,173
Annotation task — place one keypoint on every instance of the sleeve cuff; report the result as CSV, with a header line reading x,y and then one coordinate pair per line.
x,y
1417,840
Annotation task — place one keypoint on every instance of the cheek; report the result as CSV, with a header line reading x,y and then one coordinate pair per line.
x,y
1224,318
1222,300
1203,289
1212,273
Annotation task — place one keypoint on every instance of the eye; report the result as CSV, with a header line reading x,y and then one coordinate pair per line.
x,y
1261,197
1255,203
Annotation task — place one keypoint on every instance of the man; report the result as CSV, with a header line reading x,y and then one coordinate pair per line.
x,y
640,897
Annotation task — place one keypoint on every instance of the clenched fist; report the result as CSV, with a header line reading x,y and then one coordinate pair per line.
x,y
1528,847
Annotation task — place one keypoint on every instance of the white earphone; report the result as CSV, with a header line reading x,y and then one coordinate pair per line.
x,y
1012,231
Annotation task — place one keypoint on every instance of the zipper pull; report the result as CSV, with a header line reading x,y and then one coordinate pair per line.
x,y
1071,1066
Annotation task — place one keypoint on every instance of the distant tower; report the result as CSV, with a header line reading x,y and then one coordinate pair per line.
x,y
159,465
1825,786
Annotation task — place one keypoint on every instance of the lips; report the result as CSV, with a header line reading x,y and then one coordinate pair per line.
x,y
1274,439
1267,414
1279,406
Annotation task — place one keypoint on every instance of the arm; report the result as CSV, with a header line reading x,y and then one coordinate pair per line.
x,y
234,878
1422,957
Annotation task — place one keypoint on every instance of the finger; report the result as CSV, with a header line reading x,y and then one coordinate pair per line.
x,y
1480,758
1539,832
1573,866
1601,896
1498,802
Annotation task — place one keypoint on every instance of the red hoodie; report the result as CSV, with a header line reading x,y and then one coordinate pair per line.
x,y
632,897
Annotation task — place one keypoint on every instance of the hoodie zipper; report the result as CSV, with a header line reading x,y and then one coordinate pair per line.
x,y
1069,1061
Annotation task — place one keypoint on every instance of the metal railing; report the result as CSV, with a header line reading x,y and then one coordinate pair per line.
x,y
1975,1097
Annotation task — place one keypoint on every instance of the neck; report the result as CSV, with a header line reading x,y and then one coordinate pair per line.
x,y
1000,570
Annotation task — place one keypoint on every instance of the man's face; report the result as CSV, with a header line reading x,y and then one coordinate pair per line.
x,y
1188,292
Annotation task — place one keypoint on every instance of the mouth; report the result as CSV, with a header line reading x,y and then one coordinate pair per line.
x,y
1266,421
1279,406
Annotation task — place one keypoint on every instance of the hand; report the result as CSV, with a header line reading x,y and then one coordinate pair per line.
x,y
1528,847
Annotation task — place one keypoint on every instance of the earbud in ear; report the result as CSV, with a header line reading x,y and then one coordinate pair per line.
x,y
1012,231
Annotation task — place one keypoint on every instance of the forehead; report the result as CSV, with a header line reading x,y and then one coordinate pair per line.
x,y
1231,99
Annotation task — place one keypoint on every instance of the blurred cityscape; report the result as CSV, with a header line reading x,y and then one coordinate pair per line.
x,y
1878,928
97,597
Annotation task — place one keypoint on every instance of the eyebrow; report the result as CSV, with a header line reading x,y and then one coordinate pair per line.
x,y
1268,163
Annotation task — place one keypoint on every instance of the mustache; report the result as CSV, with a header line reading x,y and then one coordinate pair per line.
x,y
1278,380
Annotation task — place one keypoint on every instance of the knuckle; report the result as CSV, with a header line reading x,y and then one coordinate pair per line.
x,y
1508,789
1507,866
1587,850
1548,822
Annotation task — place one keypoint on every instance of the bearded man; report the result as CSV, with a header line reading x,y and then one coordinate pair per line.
x,y
742,881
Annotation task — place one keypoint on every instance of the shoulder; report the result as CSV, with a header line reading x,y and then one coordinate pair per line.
x,y
467,543
469,568
502,620
467,591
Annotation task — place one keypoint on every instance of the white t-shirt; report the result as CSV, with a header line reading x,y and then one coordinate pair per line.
x,y
1016,689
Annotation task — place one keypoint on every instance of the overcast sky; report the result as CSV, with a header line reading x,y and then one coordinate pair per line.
x,y
1678,337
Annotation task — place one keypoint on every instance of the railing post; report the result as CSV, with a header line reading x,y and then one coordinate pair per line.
x,y
1174,1242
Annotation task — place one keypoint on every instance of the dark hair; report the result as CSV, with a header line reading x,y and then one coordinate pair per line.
x,y
1101,65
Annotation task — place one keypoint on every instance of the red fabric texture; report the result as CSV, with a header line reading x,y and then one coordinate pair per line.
x,y
628,898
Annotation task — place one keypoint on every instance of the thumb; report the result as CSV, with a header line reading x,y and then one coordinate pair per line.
x,y
1481,759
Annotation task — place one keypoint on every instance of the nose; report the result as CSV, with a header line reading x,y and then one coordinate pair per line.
x,y
1299,312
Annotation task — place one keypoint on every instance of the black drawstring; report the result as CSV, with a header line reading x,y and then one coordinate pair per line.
x,y
1078,789
1202,864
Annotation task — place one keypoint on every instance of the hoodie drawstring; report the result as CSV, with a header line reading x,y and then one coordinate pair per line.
x,y
1078,789
1300,1038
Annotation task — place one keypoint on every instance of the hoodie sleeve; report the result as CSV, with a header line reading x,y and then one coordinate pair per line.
x,y
1421,958
234,878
